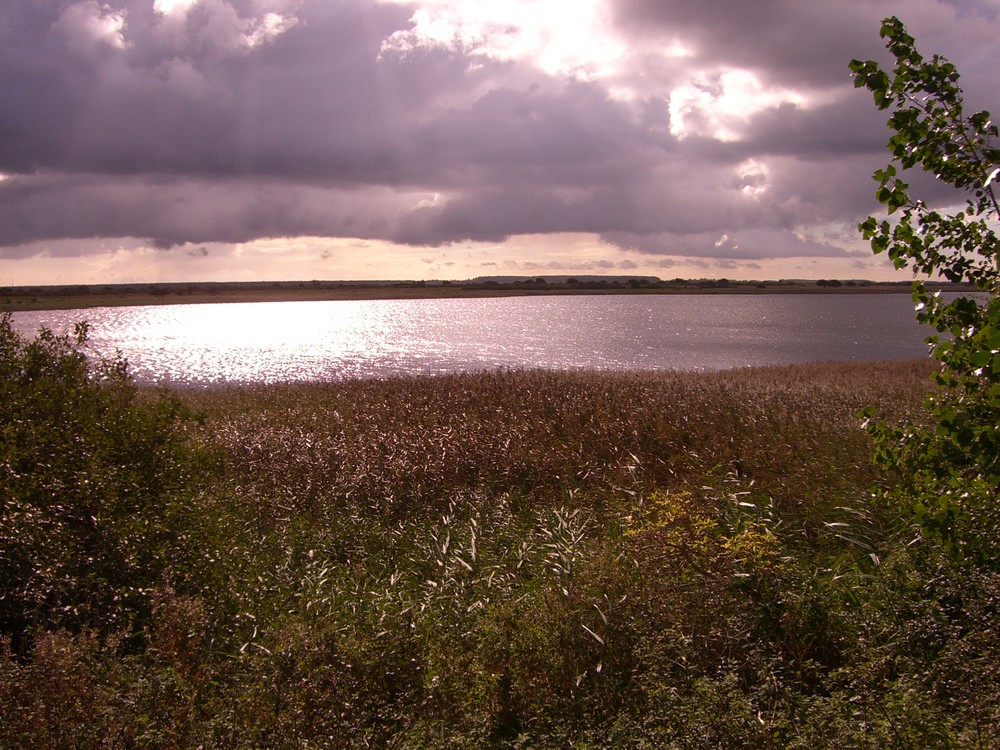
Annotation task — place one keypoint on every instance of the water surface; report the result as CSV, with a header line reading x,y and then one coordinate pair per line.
x,y
322,341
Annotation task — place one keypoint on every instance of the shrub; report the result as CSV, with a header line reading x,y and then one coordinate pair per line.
x,y
94,482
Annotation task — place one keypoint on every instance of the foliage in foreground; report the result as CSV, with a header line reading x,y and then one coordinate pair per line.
x,y
951,467
94,486
509,559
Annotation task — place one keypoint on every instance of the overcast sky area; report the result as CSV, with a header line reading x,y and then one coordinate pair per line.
x,y
192,140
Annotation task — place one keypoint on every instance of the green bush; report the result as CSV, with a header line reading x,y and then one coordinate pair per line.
x,y
95,482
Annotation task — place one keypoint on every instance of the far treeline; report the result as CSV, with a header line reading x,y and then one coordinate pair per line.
x,y
70,296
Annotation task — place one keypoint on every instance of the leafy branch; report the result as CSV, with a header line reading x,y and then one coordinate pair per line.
x,y
951,469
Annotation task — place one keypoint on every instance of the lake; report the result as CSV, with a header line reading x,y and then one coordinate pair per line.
x,y
186,345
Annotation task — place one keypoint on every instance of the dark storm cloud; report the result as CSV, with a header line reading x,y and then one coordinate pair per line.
x,y
195,99
173,211
227,124
804,43
569,134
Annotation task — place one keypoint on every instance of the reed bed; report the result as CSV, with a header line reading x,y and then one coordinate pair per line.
x,y
405,444
536,559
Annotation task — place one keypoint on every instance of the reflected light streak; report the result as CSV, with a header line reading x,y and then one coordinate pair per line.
x,y
193,345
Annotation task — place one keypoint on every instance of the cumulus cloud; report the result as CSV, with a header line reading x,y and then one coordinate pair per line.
x,y
711,130
86,27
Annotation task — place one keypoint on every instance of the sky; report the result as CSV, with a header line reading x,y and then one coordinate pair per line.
x,y
247,140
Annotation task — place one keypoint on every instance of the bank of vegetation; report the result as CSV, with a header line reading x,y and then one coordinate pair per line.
x,y
504,559
83,296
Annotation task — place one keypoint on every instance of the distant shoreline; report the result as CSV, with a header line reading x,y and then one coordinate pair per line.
x,y
14,299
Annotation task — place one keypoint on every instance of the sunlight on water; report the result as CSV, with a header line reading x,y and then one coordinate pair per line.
x,y
299,341
258,342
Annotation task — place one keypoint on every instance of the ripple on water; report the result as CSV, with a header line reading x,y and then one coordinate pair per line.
x,y
318,341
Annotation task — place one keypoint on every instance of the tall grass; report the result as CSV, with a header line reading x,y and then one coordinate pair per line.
x,y
538,559
404,445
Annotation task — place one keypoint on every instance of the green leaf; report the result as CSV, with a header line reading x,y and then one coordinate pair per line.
x,y
949,462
